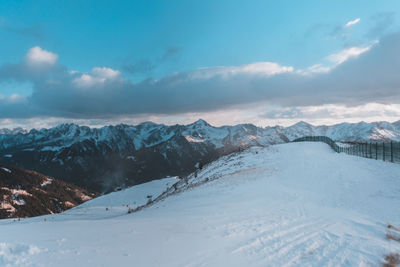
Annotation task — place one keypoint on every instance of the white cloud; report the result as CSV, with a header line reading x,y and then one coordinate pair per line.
x,y
352,22
333,113
255,114
264,68
317,68
348,53
97,76
336,59
257,68
39,56
106,73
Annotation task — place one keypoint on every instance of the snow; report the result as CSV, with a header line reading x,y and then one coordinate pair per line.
x,y
117,203
52,148
6,170
17,192
69,204
16,254
18,201
7,206
193,139
341,144
296,204
361,131
46,181
252,137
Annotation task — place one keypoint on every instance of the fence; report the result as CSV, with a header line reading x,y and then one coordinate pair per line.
x,y
386,151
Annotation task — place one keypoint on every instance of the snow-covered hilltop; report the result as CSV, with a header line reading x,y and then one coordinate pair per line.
x,y
296,204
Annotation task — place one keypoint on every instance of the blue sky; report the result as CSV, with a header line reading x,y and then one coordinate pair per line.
x,y
155,40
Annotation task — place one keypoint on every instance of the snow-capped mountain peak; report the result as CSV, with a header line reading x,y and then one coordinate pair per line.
x,y
121,155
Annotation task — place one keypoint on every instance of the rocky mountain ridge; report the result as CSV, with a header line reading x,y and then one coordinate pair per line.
x,y
27,193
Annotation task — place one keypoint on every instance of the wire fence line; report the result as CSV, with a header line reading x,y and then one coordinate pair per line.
x,y
386,151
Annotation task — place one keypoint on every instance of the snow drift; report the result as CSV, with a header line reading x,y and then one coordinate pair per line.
x,y
297,204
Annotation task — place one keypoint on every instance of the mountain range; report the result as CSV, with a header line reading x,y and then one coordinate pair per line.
x,y
107,158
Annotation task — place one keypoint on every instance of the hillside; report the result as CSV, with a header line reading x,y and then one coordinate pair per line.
x,y
120,156
27,193
297,204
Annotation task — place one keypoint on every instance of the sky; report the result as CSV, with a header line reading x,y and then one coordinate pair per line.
x,y
264,62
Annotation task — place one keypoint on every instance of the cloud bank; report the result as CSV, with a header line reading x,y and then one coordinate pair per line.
x,y
358,75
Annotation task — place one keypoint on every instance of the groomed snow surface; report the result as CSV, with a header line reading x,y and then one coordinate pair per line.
x,y
297,204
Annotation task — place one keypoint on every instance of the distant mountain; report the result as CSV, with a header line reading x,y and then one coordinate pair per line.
x,y
103,159
117,156
361,132
27,193
13,131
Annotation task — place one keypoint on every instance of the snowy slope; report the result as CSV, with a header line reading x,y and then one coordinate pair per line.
x,y
297,204
118,203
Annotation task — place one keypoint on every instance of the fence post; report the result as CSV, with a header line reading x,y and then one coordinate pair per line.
x,y
383,151
370,151
362,150
376,151
391,151
365,150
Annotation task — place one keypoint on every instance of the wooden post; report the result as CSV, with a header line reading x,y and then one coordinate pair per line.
x,y
376,151
383,151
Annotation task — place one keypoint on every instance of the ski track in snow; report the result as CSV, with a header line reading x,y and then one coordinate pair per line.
x,y
297,204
